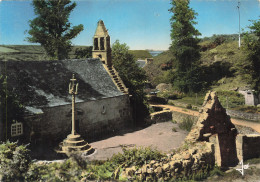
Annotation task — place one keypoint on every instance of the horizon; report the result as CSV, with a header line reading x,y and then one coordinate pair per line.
x,y
142,25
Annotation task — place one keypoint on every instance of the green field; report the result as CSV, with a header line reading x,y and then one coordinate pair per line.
x,y
7,50
36,52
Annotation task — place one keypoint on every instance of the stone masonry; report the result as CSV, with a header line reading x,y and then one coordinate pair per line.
x,y
212,140
214,125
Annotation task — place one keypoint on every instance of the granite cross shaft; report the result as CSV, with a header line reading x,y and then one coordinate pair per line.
x,y
73,90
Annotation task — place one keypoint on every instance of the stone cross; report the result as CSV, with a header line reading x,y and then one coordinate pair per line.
x,y
73,90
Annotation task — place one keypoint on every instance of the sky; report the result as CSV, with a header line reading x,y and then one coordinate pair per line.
x,y
141,24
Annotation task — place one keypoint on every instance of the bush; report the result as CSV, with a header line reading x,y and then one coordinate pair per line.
x,y
14,161
230,99
189,106
136,156
186,123
167,94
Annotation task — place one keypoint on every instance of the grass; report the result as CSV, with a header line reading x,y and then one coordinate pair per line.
x,y
192,99
248,109
186,123
29,52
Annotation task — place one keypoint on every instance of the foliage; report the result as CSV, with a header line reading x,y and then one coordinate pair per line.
x,y
51,28
140,54
83,52
248,109
10,108
14,161
72,170
185,46
216,171
186,123
136,156
133,77
252,46
230,99
170,94
252,161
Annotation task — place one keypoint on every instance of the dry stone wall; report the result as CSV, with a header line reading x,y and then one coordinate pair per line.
x,y
212,140
189,162
248,146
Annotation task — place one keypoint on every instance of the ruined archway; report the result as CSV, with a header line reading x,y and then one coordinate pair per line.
x,y
214,125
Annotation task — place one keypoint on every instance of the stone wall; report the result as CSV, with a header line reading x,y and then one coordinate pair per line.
x,y
94,119
192,159
178,116
248,146
213,120
161,116
244,115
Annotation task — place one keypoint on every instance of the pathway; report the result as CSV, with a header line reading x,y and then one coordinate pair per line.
x,y
255,126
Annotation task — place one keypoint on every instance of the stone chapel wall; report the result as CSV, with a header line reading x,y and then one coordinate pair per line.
x,y
94,119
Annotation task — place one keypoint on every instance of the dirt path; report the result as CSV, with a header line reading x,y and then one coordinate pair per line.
x,y
255,126
159,136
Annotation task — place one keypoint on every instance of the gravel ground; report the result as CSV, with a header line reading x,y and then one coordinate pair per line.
x,y
159,136
245,130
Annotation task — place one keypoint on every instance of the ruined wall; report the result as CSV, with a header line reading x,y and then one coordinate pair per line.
x,y
214,120
161,116
248,146
178,116
244,115
93,120
191,160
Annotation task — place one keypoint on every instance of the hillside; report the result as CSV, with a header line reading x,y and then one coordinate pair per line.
x,y
140,54
36,52
221,62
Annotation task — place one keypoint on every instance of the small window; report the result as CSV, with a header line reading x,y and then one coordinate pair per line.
x,y
104,110
96,44
16,129
108,42
102,43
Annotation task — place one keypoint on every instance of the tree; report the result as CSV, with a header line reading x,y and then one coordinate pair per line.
x,y
252,47
133,77
184,45
51,28
10,107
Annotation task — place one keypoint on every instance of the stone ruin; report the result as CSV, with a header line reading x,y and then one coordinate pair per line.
x,y
212,140
215,126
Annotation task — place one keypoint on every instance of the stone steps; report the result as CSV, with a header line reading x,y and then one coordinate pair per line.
x,y
114,75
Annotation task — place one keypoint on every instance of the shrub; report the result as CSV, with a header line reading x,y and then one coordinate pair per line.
x,y
174,129
189,106
14,161
230,99
186,123
136,156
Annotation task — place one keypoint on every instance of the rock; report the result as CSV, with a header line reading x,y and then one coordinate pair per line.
x,y
207,135
187,157
158,170
139,171
163,86
130,171
150,170
166,167
144,169
152,162
176,170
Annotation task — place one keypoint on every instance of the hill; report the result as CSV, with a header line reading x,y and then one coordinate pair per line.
x,y
36,52
140,54
221,62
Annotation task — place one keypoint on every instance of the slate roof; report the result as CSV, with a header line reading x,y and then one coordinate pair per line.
x,y
41,84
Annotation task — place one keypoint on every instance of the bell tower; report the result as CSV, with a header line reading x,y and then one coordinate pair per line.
x,y
101,44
